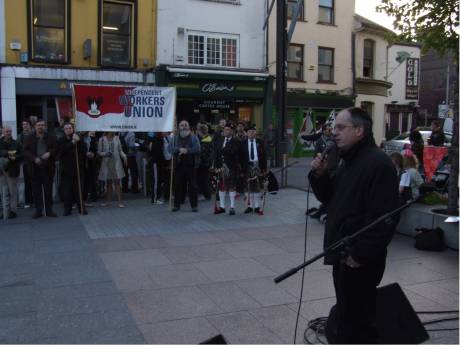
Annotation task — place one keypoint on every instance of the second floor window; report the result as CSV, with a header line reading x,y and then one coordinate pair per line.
x,y
326,11
325,64
368,58
291,5
117,34
212,50
49,31
295,62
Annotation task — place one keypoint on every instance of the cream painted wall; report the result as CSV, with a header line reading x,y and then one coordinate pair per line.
x,y
313,35
378,115
380,59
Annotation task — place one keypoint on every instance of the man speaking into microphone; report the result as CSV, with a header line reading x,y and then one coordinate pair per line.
x,y
363,188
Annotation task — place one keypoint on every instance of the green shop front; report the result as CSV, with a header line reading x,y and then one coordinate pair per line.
x,y
207,95
308,112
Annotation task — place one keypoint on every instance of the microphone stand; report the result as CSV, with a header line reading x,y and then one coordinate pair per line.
x,y
341,243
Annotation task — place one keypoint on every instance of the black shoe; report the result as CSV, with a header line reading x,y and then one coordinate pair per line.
x,y
194,209
311,210
51,214
67,213
219,210
37,215
175,209
249,210
257,210
12,215
231,212
84,213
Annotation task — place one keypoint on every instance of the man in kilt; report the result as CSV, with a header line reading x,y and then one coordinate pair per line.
x,y
225,163
254,164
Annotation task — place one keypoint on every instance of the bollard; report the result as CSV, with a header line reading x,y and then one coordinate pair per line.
x,y
284,176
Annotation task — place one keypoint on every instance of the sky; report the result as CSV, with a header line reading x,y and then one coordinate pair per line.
x,y
366,8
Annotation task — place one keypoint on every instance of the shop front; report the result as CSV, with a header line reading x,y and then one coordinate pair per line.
x,y
210,95
307,113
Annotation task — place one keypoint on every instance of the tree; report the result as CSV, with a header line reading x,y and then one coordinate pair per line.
x,y
434,24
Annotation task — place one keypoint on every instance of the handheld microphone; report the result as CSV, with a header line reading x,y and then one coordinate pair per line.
x,y
330,145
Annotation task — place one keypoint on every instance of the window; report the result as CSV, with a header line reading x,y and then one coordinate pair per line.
x,y
325,64
212,50
368,58
49,30
229,47
117,34
196,50
295,62
368,107
291,4
326,11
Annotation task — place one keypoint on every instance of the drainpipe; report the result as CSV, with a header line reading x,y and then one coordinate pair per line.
x,y
353,61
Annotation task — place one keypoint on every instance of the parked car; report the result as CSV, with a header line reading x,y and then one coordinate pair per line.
x,y
401,142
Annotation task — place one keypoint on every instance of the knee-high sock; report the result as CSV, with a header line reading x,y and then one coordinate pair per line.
x,y
232,199
256,199
249,199
222,199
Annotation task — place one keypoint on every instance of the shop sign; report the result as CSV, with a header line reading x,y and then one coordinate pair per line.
x,y
124,108
214,104
412,78
214,88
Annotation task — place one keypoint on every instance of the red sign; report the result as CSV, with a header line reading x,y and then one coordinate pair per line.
x,y
432,156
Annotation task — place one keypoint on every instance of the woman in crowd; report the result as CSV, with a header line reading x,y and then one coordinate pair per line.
x,y
111,171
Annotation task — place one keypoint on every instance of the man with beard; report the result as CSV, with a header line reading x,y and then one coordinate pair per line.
x,y
71,191
225,163
40,153
186,150
254,164
363,188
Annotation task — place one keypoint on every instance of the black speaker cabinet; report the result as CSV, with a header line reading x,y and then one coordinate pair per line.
x,y
218,339
396,319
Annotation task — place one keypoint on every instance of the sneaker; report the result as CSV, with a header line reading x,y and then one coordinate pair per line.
x,y
231,212
26,206
121,206
249,210
219,210
159,202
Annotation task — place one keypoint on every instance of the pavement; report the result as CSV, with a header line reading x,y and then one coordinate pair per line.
x,y
144,275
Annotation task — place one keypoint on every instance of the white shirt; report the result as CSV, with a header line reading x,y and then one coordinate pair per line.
x,y
256,157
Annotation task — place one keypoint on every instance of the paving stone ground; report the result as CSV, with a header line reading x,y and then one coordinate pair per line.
x,y
144,275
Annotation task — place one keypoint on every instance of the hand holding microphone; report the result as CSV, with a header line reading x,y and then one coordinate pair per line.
x,y
319,164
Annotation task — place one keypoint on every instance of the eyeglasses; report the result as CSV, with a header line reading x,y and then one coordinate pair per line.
x,y
339,128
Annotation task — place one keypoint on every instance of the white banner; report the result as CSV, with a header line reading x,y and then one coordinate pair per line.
x,y
124,108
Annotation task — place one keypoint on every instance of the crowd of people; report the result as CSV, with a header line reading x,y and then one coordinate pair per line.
x,y
90,167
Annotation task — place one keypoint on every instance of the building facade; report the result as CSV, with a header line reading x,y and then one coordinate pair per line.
x,y
48,45
217,64
319,66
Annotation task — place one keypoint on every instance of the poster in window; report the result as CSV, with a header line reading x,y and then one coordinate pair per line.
x,y
116,50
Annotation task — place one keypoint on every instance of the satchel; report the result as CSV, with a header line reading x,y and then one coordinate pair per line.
x,y
429,239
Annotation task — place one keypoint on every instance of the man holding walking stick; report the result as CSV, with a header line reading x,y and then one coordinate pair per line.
x,y
40,153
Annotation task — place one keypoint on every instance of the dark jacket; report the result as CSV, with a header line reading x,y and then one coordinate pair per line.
x,y
30,153
192,157
228,154
13,167
244,156
364,188
437,138
67,156
155,149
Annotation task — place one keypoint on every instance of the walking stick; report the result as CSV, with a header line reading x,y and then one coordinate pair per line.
x,y
171,183
43,198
